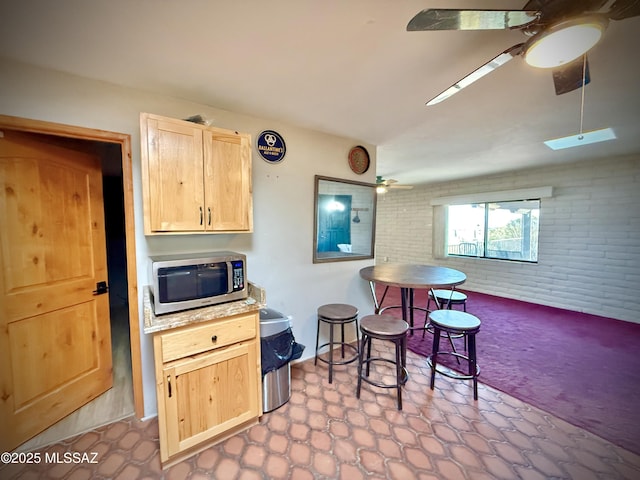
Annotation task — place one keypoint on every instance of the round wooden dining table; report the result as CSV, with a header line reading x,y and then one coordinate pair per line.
x,y
409,277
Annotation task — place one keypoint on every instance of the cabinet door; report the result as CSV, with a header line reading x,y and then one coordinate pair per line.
x,y
228,192
208,394
172,169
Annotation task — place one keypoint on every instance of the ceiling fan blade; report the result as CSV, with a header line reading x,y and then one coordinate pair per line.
x,y
387,183
622,9
450,19
571,76
478,73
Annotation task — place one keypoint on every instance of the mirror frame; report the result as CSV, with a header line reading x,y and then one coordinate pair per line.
x,y
344,256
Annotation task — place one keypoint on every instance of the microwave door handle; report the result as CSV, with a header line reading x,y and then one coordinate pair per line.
x,y
229,277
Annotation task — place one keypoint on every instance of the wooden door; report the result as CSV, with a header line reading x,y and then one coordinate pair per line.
x,y
228,181
172,168
207,395
334,224
55,346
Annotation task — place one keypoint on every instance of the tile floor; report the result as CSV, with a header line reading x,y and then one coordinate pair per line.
x,y
324,432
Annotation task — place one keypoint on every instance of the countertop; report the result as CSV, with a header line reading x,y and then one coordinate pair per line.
x,y
156,323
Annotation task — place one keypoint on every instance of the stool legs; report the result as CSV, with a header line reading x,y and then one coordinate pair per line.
x,y
315,361
364,362
473,367
453,345
331,353
330,361
368,353
449,304
399,370
473,371
363,346
434,355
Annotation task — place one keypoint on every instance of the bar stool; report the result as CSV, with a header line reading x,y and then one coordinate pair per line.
x,y
337,314
383,327
444,299
455,322
447,298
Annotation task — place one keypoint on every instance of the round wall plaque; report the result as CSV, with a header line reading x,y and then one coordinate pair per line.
x,y
359,159
271,146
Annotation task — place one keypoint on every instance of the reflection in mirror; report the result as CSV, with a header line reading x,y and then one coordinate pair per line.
x,y
345,214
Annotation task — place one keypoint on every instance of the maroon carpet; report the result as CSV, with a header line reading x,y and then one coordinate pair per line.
x,y
582,368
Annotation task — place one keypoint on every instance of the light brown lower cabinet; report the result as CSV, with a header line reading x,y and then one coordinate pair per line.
x,y
208,378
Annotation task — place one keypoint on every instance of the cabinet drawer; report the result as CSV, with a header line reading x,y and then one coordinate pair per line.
x,y
208,336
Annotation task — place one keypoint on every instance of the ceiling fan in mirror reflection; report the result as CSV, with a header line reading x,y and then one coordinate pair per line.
x,y
383,185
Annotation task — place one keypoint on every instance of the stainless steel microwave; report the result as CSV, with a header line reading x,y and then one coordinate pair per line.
x,y
185,281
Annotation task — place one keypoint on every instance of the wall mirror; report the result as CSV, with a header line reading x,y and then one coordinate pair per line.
x,y
345,220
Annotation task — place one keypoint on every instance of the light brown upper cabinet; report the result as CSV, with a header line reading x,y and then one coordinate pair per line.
x,y
195,179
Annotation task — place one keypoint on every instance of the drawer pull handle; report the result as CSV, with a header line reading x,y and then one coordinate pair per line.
x,y
214,339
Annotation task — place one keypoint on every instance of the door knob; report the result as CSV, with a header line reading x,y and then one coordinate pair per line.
x,y
101,288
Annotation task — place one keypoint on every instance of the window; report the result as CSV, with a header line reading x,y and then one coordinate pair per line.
x,y
502,230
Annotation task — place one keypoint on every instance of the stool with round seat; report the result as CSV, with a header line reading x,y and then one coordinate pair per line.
x,y
335,314
444,299
388,328
447,298
455,322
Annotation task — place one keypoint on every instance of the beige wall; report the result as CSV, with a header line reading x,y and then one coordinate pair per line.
x,y
279,253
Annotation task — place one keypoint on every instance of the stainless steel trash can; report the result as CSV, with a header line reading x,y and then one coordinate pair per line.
x,y
276,384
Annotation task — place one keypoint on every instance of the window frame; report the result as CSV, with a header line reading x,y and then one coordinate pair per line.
x,y
441,217
484,243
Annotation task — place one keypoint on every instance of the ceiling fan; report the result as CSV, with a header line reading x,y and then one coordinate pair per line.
x,y
383,185
560,34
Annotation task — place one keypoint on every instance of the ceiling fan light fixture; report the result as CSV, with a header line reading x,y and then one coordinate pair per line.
x,y
381,189
565,41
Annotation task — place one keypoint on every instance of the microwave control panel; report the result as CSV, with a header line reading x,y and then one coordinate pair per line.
x,y
238,275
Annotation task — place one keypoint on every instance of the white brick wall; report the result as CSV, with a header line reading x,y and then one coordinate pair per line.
x,y
589,239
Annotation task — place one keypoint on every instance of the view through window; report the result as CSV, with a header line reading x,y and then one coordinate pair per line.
x,y
501,230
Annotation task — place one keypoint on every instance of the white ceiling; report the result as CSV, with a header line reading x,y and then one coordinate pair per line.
x,y
346,67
